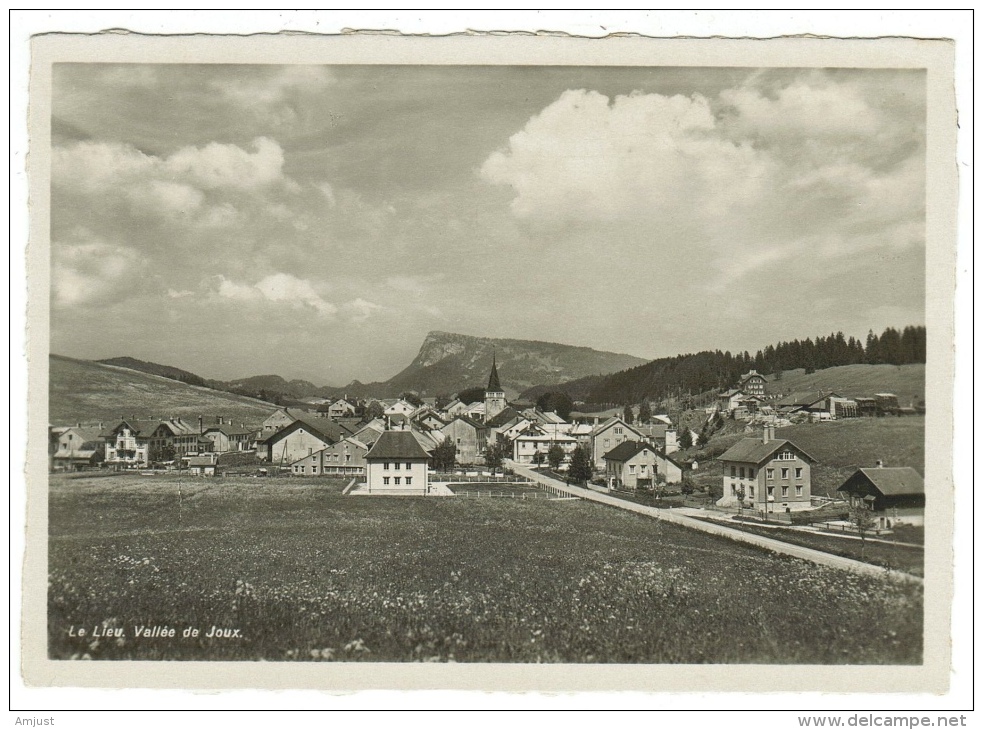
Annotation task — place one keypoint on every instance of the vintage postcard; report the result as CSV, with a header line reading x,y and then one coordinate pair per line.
x,y
517,363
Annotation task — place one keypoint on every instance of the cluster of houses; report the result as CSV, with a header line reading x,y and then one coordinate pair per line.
x,y
334,441
393,452
748,401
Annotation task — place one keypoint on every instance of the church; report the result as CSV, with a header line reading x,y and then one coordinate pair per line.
x,y
494,395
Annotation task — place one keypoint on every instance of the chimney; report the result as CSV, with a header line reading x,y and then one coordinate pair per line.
x,y
201,426
769,434
880,464
221,420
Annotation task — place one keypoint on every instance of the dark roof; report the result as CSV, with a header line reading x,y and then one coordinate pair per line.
x,y
140,428
502,417
325,428
470,421
397,445
626,450
493,385
756,451
230,430
892,480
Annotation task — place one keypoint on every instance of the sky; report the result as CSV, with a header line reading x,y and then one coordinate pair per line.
x,y
317,221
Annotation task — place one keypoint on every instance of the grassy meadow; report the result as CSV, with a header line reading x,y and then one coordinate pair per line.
x,y
85,391
306,574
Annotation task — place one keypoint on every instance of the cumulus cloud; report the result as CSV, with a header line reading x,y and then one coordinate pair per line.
x,y
176,181
279,288
93,272
587,157
725,172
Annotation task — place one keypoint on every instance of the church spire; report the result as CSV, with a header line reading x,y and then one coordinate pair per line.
x,y
493,385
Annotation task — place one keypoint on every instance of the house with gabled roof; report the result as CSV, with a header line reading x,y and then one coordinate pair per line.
x,y
225,437
302,437
400,407
753,383
773,474
630,465
532,446
345,458
77,447
397,463
894,495
469,436
341,408
605,436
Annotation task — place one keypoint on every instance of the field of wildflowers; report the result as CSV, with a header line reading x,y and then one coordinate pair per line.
x,y
302,573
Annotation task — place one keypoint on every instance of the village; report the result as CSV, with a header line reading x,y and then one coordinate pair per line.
x,y
411,446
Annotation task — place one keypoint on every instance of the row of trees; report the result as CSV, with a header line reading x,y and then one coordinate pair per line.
x,y
712,370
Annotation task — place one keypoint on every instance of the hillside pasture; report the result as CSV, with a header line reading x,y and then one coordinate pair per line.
x,y
905,381
90,392
306,574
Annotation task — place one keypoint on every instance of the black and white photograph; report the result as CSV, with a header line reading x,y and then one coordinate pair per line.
x,y
364,366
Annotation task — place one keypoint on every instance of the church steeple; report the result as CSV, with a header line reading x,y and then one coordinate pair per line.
x,y
493,385
494,395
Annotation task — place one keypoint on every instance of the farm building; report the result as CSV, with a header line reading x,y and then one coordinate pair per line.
x,y
300,438
774,474
895,495
397,463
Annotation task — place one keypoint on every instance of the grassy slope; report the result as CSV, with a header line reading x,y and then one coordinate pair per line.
x,y
905,381
81,390
307,574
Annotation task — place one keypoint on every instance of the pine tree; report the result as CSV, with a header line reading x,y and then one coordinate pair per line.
x,y
644,412
581,469
628,415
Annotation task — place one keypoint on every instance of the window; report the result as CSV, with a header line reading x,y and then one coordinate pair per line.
x,y
750,473
631,468
742,472
798,472
769,473
784,472
397,479
771,491
784,491
348,458
409,481
751,493
385,466
396,466
798,490
408,466
733,491
733,470
385,481
618,430
313,470
786,456
607,442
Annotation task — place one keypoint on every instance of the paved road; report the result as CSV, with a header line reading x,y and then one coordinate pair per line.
x,y
778,546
